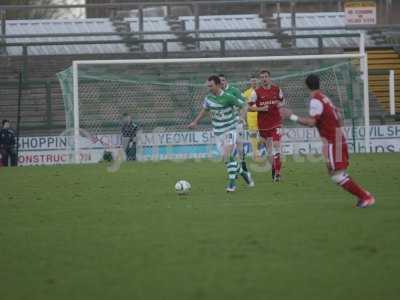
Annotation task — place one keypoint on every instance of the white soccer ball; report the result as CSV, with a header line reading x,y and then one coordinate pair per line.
x,y
182,187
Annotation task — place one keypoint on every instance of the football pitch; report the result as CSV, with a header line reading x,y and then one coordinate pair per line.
x,y
80,232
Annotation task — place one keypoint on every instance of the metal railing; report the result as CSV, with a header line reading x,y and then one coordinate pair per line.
x,y
275,31
166,3
164,42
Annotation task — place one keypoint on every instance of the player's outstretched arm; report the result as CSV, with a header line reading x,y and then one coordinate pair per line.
x,y
200,116
306,121
252,103
255,108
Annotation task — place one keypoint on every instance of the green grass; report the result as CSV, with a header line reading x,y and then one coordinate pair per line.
x,y
79,232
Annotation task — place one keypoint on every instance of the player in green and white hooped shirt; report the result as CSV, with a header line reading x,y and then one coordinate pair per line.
x,y
221,106
230,89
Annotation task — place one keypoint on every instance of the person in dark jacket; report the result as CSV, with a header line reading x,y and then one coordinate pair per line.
x,y
128,136
7,145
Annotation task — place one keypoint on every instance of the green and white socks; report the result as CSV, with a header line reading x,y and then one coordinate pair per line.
x,y
231,167
234,168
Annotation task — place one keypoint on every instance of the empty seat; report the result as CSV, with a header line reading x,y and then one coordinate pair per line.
x,y
20,27
232,22
324,19
155,24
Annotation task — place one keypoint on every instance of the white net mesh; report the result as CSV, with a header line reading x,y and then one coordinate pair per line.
x,y
168,96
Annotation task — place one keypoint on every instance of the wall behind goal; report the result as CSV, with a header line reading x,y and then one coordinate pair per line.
x,y
56,150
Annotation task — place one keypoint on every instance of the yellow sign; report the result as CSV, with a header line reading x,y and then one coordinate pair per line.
x,y
360,12
360,4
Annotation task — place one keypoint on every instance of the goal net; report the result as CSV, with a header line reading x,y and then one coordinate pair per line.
x,y
163,97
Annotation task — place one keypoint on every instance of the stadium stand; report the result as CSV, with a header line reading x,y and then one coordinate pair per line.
x,y
327,19
380,62
43,104
211,22
36,27
155,24
226,22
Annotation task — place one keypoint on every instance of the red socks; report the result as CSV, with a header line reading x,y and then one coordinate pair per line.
x,y
353,188
276,164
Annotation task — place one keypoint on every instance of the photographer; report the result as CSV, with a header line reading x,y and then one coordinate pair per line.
x,y
128,136
7,145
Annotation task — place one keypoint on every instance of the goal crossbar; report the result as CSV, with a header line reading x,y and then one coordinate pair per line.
x,y
217,59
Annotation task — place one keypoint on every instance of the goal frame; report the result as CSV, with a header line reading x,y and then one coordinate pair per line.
x,y
361,55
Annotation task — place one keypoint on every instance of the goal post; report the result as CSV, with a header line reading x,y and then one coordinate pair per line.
x,y
364,73
75,85
97,84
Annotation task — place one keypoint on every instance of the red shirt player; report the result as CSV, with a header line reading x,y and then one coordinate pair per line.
x,y
266,100
325,116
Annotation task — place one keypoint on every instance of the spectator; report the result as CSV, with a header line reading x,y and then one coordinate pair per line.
x,y
7,145
128,136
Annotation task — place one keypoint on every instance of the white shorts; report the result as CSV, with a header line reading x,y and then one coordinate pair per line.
x,y
225,139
